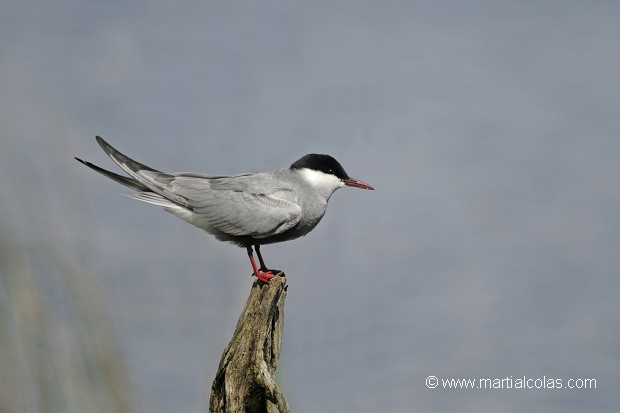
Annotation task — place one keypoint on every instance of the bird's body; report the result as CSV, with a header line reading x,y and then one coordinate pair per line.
x,y
219,205
249,209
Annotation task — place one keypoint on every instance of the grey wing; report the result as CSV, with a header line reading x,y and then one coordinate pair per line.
x,y
142,176
231,205
238,212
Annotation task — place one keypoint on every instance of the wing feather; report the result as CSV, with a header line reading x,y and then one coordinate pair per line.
x,y
255,205
235,209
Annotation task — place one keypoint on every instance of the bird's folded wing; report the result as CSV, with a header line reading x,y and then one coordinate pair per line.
x,y
238,212
230,204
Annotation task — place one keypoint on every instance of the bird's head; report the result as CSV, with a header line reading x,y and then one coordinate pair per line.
x,y
325,173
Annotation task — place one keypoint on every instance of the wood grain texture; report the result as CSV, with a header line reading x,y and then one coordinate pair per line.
x,y
245,379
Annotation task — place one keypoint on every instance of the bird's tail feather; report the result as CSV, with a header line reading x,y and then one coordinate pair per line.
x,y
152,179
152,198
129,182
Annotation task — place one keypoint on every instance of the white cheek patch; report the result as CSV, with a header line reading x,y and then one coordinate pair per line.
x,y
321,180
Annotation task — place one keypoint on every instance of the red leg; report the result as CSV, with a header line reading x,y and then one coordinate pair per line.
x,y
264,276
263,267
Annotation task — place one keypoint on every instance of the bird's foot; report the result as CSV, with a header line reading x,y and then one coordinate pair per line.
x,y
271,270
264,276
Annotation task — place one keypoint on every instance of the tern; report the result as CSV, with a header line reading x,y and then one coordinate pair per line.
x,y
250,209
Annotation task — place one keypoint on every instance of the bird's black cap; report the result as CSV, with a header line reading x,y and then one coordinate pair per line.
x,y
323,163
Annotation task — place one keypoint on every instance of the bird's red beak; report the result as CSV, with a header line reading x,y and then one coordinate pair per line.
x,y
357,184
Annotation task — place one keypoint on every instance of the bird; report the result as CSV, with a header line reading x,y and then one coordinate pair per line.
x,y
249,209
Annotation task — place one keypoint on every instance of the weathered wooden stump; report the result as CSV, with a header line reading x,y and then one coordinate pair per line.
x,y
245,379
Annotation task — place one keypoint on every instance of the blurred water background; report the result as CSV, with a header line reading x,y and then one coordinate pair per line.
x,y
489,249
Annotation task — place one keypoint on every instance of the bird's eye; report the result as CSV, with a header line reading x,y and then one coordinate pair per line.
x,y
330,171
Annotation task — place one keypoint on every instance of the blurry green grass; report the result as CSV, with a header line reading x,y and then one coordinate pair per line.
x,y
57,349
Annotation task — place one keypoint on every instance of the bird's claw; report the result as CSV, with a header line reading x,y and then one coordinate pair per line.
x,y
264,276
